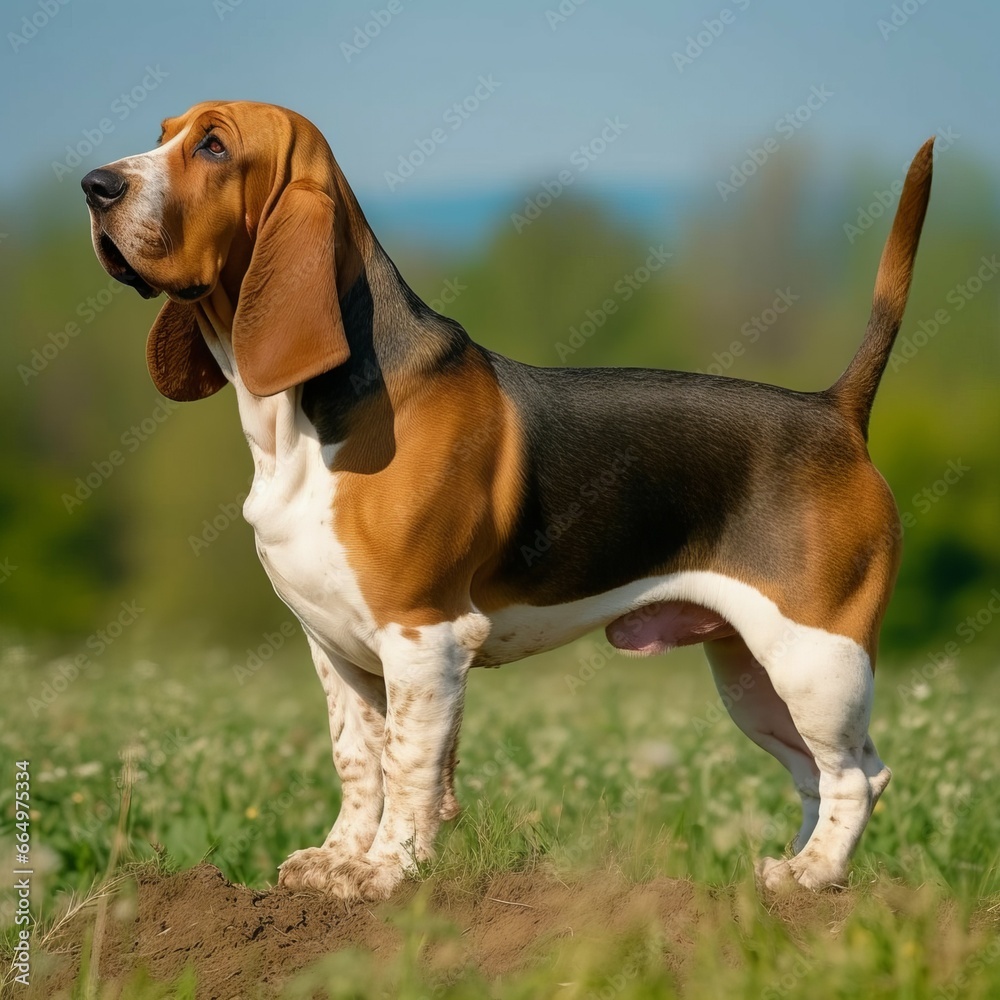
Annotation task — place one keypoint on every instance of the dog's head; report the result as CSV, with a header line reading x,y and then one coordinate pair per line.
x,y
240,208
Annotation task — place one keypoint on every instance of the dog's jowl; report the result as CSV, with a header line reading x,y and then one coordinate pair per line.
x,y
424,505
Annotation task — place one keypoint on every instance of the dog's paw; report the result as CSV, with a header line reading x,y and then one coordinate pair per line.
x,y
322,870
781,875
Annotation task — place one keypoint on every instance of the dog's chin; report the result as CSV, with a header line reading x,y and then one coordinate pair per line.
x,y
189,294
114,262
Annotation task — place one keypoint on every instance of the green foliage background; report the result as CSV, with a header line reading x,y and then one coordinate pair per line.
x,y
67,571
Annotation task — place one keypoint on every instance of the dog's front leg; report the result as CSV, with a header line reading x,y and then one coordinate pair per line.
x,y
425,671
425,683
356,703
357,707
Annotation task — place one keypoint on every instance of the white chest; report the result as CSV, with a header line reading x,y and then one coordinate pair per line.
x,y
291,509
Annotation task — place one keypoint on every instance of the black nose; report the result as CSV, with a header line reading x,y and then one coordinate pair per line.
x,y
103,187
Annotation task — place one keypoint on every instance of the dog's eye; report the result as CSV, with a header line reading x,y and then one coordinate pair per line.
x,y
212,145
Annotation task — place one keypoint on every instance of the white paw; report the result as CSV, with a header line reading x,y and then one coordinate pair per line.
x,y
809,873
327,871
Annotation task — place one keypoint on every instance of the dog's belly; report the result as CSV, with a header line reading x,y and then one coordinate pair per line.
x,y
653,628
648,616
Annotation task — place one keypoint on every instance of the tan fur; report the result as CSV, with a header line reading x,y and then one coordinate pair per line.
x,y
854,392
290,287
422,529
850,556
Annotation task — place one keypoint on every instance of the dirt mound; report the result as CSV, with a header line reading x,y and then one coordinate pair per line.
x,y
243,942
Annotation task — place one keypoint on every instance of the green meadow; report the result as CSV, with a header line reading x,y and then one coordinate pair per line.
x,y
574,766
167,707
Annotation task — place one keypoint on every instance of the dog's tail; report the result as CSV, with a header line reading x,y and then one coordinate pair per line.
x,y
854,392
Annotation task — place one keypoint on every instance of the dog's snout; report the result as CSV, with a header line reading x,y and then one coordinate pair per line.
x,y
103,187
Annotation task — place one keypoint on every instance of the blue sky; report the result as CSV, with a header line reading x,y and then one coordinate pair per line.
x,y
552,83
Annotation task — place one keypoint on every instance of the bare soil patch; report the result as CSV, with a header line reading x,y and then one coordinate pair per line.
x,y
244,943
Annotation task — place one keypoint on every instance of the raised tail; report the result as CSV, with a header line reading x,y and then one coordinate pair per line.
x,y
854,392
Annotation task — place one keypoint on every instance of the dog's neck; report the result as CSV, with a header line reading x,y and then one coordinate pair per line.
x,y
268,421
396,343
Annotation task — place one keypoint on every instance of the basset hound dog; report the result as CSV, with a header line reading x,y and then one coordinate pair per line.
x,y
425,505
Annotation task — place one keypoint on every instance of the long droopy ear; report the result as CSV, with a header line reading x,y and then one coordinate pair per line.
x,y
179,361
288,328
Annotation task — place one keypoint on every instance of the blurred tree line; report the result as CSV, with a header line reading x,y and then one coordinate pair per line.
x,y
108,493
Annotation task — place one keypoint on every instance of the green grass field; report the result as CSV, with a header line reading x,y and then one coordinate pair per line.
x,y
576,762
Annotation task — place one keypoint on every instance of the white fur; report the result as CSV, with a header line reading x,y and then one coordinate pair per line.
x,y
529,629
290,507
148,178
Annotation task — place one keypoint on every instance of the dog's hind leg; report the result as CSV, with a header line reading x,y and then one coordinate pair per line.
x,y
750,699
826,682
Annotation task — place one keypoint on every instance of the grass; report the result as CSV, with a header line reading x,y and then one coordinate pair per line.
x,y
637,769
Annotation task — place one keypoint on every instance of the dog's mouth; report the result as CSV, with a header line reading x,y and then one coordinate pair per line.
x,y
121,270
